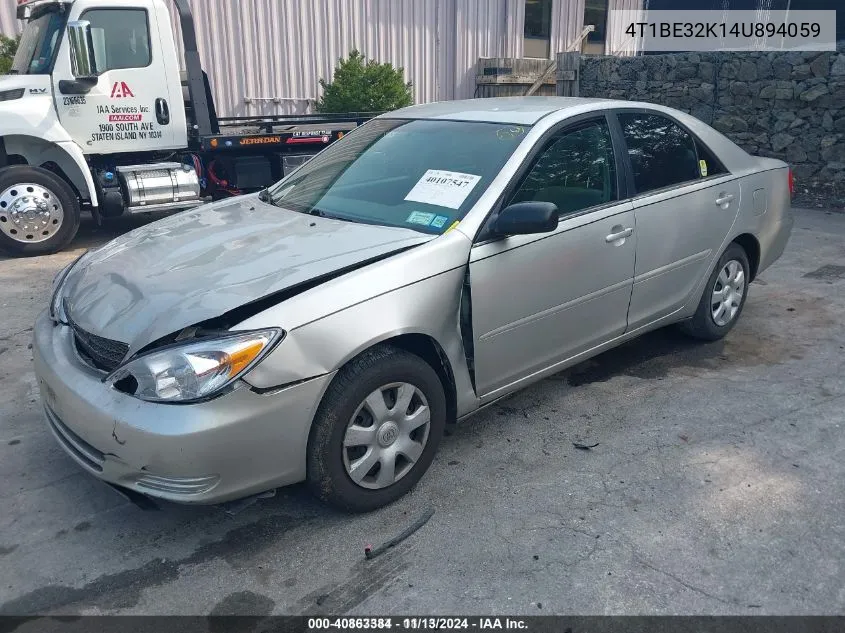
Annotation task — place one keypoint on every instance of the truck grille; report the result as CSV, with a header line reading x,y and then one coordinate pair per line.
x,y
101,353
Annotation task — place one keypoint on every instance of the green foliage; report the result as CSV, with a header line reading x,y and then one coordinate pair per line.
x,y
362,85
8,46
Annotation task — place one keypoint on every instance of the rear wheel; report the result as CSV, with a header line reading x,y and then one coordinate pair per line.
x,y
723,298
39,212
376,431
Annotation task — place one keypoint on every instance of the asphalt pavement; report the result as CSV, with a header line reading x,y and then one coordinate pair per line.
x,y
716,486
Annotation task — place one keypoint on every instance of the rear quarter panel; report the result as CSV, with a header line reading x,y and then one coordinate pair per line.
x,y
767,211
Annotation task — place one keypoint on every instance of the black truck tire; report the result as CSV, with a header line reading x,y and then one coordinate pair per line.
x,y
39,211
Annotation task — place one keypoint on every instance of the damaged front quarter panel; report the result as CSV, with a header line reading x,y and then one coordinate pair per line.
x,y
417,292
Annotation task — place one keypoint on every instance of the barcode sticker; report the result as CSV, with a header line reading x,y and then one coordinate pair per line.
x,y
443,188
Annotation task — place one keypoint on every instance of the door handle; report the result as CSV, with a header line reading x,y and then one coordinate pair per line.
x,y
621,235
724,199
162,112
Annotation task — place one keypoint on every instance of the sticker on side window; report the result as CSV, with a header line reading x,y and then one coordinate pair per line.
x,y
702,167
443,188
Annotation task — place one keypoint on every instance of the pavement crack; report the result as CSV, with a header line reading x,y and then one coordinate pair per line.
x,y
684,583
14,334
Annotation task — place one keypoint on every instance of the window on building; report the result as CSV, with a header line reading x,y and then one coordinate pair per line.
x,y
538,28
595,13
121,38
576,171
662,152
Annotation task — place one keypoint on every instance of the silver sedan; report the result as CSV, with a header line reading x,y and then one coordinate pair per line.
x,y
433,261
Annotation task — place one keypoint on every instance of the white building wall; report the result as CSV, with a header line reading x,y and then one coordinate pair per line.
x,y
617,43
9,24
567,23
280,48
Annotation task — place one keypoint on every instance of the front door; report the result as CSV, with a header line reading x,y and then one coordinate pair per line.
x,y
540,299
685,206
133,106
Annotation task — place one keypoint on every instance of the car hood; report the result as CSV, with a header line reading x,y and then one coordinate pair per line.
x,y
200,264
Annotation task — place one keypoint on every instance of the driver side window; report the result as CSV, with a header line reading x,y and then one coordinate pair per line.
x,y
121,38
575,171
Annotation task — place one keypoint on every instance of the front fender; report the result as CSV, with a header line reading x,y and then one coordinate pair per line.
x,y
65,154
429,307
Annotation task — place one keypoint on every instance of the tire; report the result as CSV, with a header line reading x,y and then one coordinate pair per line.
x,y
391,373
39,212
713,319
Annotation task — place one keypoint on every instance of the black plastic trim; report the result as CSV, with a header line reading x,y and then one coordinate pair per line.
x,y
76,86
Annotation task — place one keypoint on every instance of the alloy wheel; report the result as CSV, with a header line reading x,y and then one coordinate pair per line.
x,y
30,213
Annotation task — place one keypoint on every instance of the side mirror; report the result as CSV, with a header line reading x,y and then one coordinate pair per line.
x,y
83,60
526,218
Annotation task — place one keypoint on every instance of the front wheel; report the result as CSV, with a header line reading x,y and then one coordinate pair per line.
x,y
39,212
724,297
376,431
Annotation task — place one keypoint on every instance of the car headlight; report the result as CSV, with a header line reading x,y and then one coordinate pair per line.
x,y
57,312
198,370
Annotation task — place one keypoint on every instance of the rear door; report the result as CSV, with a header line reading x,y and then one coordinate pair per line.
x,y
539,299
685,203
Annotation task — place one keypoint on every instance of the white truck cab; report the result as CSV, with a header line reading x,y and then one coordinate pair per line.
x,y
97,114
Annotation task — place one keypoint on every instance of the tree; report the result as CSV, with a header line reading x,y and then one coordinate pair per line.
x,y
362,85
8,47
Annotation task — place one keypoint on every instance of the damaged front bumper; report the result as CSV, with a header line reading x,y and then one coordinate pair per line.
x,y
230,447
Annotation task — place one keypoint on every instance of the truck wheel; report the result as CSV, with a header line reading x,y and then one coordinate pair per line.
x,y
39,212
376,430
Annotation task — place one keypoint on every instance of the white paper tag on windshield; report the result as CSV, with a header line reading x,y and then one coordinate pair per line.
x,y
443,188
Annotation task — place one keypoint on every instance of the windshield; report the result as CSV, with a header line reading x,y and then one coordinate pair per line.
x,y
418,174
39,42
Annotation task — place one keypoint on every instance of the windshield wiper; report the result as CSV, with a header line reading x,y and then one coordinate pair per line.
x,y
264,196
13,72
325,214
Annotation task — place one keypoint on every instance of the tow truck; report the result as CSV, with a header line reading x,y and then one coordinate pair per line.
x,y
97,115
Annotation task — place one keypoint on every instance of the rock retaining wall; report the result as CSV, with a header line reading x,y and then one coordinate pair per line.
x,y
785,105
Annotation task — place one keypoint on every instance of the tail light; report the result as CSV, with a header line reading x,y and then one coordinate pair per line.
x,y
791,183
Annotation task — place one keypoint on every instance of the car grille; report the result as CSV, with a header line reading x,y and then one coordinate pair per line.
x,y
101,353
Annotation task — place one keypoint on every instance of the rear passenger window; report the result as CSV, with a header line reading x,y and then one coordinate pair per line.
x,y
576,170
662,153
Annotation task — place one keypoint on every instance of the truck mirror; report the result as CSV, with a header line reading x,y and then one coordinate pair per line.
x,y
83,61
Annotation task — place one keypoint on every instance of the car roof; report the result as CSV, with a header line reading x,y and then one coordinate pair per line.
x,y
520,110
